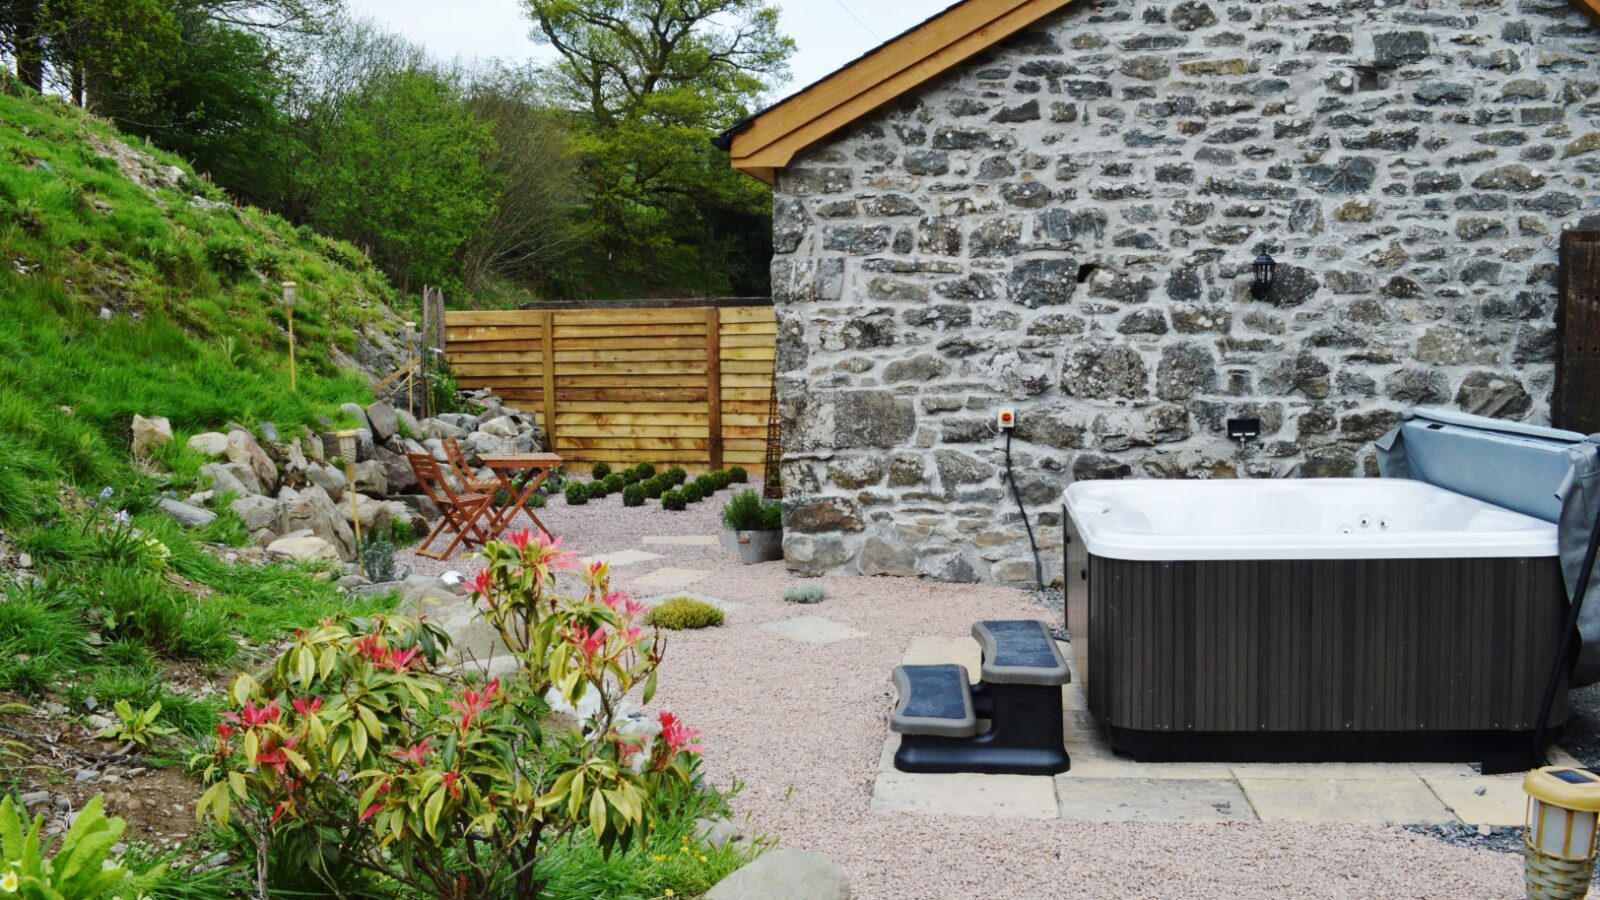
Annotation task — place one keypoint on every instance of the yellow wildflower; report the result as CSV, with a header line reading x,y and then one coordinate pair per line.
x,y
9,882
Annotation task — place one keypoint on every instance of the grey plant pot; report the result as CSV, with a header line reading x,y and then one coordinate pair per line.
x,y
758,546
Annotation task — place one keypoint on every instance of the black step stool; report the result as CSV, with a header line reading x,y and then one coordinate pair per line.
x,y
1020,694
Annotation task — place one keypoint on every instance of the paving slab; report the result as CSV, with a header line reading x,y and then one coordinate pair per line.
x,y
991,796
681,540
1323,771
719,603
1501,803
1385,801
813,630
927,650
621,558
1151,799
667,579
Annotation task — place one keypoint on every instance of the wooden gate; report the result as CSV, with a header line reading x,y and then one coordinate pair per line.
x,y
1576,404
667,384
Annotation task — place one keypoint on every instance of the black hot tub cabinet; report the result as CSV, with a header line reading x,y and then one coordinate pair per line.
x,y
1311,620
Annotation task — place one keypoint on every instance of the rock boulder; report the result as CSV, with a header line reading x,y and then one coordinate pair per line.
x,y
785,875
149,434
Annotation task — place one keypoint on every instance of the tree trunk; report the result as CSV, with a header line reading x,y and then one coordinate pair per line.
x,y
29,43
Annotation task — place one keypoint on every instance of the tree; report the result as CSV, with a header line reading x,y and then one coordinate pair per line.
x,y
531,233
405,173
650,81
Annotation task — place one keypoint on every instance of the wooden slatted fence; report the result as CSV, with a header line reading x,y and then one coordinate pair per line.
x,y
678,385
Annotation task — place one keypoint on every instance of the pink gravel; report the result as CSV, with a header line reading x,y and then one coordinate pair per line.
x,y
802,728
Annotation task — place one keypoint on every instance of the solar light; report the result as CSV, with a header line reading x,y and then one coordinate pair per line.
x,y
1265,268
289,299
347,452
1558,847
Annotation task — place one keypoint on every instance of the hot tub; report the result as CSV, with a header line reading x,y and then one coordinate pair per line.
x,y
1315,619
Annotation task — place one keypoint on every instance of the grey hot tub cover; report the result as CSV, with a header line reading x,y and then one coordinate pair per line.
x,y
1541,472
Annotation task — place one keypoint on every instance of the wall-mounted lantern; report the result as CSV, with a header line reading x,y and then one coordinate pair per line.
x,y
1265,268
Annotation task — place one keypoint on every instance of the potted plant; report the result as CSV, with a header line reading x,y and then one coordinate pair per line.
x,y
753,527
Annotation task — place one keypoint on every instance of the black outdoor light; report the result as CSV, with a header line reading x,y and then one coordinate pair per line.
x,y
1264,268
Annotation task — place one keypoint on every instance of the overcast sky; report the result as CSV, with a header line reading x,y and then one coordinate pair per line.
x,y
828,31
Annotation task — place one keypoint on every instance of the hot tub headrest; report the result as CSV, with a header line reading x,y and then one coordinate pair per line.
x,y
1526,468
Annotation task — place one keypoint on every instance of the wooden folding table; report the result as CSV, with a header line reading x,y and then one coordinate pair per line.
x,y
534,469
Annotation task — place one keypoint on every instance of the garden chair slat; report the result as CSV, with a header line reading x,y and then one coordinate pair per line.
x,y
459,513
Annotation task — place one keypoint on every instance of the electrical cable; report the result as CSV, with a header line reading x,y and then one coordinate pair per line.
x,y
851,13
1038,565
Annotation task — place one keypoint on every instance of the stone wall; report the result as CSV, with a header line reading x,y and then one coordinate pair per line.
x,y
1066,225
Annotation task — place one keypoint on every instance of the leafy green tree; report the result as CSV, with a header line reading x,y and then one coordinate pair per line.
x,y
650,80
406,175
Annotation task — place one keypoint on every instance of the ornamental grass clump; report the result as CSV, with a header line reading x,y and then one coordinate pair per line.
x,y
805,594
681,613
356,745
748,512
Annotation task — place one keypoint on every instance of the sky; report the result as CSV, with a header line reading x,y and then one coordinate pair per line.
x,y
829,33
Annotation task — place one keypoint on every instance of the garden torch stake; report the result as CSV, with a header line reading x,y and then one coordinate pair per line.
x,y
288,302
347,451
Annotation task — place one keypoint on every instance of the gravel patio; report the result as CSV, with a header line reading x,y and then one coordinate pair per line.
x,y
793,701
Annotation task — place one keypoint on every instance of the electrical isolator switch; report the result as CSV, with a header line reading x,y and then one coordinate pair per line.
x,y
1007,419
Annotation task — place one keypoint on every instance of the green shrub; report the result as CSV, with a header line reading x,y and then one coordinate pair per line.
x,y
693,492
805,593
538,501
614,483
681,613
597,490
707,485
633,495
721,478
631,476
676,475
229,256
747,512
600,471
377,557
645,470
738,474
654,487
674,500
577,493
83,865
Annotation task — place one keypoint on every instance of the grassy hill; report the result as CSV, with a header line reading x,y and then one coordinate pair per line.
x,y
128,285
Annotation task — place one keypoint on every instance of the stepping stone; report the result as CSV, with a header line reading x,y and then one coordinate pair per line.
x,y
1210,800
682,540
621,558
1377,801
929,650
724,605
1501,803
813,630
668,579
992,796
1323,771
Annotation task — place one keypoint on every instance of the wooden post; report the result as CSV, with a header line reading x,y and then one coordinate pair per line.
x,y
547,361
1576,404
714,383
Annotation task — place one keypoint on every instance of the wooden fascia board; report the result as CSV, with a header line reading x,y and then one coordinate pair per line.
x,y
773,139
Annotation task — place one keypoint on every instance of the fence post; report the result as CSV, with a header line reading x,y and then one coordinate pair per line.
x,y
714,383
547,360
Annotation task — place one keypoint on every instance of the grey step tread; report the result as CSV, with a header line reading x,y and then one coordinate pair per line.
x,y
934,700
1020,651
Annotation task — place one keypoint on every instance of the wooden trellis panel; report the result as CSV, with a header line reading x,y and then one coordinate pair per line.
x,y
1577,394
682,386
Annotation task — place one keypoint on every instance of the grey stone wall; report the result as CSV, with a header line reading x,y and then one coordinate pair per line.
x,y
1066,225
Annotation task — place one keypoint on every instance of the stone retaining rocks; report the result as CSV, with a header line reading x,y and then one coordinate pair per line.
x,y
149,434
1067,223
186,515
303,548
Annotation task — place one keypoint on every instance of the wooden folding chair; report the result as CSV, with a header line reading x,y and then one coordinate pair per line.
x,y
469,481
458,512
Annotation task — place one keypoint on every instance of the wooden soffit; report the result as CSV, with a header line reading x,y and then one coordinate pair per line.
x,y
771,139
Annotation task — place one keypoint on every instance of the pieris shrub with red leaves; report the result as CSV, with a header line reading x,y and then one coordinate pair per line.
x,y
356,745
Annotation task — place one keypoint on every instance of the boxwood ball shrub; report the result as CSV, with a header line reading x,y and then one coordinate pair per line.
x,y
600,471
597,490
631,476
676,475
674,500
693,492
645,470
614,483
654,487
707,485
577,493
721,478
633,495
738,474
680,613
805,593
